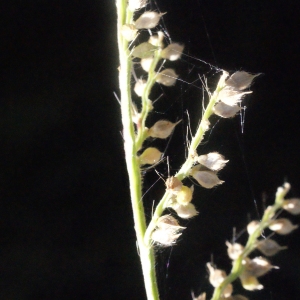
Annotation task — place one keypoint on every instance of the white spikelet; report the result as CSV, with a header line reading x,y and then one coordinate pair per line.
x,y
148,20
185,211
207,179
136,4
143,50
172,52
269,247
213,161
282,226
167,77
139,87
129,32
146,63
226,111
240,80
162,129
231,97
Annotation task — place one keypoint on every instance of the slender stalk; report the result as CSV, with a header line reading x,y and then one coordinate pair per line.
x,y
146,253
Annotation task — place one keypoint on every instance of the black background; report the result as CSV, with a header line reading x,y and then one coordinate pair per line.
x,y
65,217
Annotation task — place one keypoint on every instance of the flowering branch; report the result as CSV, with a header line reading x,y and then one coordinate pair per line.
x,y
225,102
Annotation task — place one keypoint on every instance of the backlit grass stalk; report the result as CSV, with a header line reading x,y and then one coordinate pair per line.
x,y
146,253
223,102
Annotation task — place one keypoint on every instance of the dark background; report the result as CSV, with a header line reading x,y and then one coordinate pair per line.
x,y
66,226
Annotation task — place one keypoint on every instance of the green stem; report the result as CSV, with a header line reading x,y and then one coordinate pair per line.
x,y
146,254
238,266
